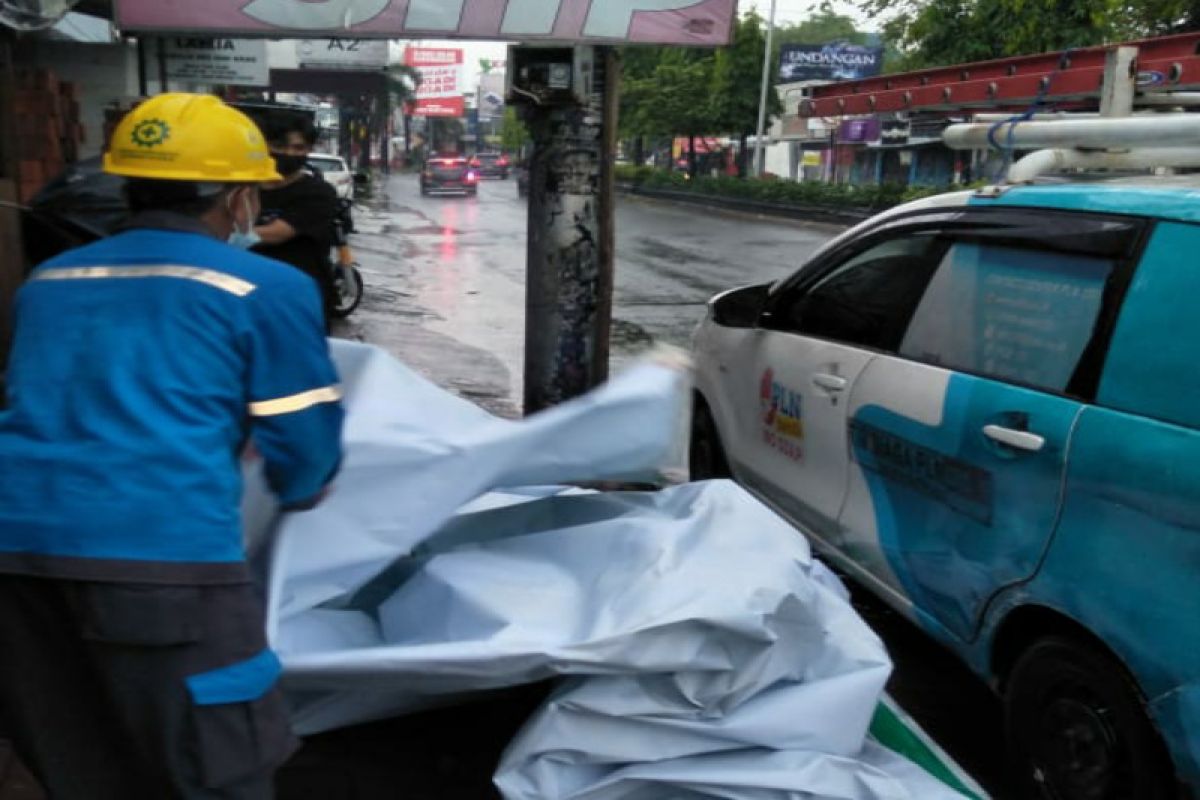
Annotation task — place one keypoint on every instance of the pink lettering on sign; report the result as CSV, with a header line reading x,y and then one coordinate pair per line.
x,y
679,22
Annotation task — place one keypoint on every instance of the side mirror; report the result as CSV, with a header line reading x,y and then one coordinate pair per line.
x,y
361,179
741,308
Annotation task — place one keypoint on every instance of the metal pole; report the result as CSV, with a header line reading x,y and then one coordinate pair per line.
x,y
568,303
143,85
162,64
760,149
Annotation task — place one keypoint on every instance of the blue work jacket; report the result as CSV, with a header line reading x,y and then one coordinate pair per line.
x,y
141,365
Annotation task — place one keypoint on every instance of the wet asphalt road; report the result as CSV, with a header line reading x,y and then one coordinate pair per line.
x,y
445,283
445,279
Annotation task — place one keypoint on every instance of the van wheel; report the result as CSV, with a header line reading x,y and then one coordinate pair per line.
x,y
706,454
1077,727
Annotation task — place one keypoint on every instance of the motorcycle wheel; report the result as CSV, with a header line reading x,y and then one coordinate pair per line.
x,y
348,291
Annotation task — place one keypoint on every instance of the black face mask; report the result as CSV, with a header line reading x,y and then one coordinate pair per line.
x,y
288,165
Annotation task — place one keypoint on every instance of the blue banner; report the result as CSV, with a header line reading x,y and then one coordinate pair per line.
x,y
835,61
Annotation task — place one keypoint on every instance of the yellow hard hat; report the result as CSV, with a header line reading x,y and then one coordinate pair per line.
x,y
189,137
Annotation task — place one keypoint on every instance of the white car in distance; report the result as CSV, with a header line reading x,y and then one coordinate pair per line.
x,y
335,172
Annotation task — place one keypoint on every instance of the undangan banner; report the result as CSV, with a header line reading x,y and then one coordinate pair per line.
x,y
682,22
439,94
828,62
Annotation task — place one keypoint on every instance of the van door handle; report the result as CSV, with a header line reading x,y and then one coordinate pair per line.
x,y
1018,440
830,383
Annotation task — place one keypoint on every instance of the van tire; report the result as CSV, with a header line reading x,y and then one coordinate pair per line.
x,y
1077,727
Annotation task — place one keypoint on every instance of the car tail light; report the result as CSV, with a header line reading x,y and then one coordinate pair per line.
x,y
474,162
502,162
472,177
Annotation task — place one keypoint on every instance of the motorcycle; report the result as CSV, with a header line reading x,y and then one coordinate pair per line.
x,y
347,280
84,204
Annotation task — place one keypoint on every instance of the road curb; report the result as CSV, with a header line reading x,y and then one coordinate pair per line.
x,y
785,211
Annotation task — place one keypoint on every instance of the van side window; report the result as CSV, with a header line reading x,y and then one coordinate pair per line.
x,y
1013,313
867,300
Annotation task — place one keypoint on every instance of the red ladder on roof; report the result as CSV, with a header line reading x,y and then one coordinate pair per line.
x,y
1070,79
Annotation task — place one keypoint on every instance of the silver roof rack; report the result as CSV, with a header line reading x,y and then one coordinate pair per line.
x,y
1115,139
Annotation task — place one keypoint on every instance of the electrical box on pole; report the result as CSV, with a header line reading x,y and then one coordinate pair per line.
x,y
567,97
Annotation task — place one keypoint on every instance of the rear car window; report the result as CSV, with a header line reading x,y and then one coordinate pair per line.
x,y
1018,314
328,164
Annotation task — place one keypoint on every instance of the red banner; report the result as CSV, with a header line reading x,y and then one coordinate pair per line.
x,y
440,93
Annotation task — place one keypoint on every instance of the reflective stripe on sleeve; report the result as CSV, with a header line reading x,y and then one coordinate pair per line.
x,y
210,277
295,402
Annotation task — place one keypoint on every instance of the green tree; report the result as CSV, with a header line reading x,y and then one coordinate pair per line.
x,y
513,133
825,25
737,84
673,99
941,32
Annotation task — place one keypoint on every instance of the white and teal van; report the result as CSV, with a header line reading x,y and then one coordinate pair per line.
x,y
986,408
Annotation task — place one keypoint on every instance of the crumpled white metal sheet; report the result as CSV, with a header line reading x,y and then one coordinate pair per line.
x,y
706,654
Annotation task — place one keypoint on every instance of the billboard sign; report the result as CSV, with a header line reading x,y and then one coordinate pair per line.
x,y
209,61
679,22
859,131
491,95
836,61
361,54
440,93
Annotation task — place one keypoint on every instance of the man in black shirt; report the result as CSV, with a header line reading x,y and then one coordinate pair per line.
x,y
296,225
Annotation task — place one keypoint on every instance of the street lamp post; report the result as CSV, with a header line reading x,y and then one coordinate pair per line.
x,y
760,148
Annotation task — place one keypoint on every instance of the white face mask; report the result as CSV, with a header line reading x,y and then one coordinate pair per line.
x,y
244,239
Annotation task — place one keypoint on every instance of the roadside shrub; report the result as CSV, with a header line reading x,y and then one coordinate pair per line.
x,y
865,197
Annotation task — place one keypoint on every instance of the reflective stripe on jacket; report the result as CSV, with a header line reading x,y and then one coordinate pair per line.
x,y
140,365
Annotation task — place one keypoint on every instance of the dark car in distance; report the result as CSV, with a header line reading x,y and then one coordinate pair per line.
x,y
491,165
449,173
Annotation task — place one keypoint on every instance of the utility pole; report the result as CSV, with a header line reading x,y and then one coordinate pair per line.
x,y
162,64
760,148
570,252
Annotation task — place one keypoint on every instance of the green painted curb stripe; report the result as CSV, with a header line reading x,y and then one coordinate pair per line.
x,y
897,731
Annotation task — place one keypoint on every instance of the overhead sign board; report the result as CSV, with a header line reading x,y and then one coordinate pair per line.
x,y
440,92
828,62
681,22
207,61
342,53
490,95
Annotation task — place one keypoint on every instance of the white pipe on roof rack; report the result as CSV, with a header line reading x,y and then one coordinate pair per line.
x,y
1046,161
1182,130
1169,99
1045,116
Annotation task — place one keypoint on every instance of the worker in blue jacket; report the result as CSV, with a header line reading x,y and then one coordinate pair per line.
x,y
133,658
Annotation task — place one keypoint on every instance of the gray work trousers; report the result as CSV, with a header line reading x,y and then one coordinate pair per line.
x,y
93,692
